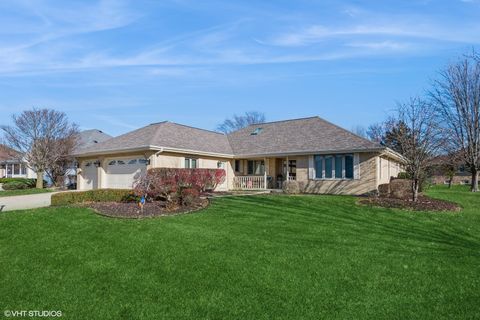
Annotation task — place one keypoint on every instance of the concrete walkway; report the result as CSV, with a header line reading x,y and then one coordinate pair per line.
x,y
29,201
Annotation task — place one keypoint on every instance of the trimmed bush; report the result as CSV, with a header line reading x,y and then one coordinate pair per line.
x,y
169,183
19,183
15,185
403,175
292,187
97,195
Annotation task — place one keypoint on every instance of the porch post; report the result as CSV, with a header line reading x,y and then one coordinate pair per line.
x,y
288,170
265,173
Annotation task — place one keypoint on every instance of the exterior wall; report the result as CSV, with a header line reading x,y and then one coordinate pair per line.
x,y
177,160
365,183
387,168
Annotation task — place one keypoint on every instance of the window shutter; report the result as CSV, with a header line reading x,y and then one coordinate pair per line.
x,y
356,166
311,168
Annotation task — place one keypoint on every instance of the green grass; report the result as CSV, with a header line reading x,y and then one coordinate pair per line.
x,y
253,257
22,192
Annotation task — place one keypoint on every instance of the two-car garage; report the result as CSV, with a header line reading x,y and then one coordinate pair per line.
x,y
120,173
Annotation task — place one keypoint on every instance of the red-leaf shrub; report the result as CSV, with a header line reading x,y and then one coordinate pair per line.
x,y
168,183
189,196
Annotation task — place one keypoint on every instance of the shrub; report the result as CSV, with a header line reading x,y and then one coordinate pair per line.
x,y
169,183
403,175
97,195
189,196
29,183
15,185
292,187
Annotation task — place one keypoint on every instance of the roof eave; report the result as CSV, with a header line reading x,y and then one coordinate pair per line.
x,y
309,152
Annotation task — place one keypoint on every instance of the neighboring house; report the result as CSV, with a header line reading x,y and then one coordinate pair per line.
x,y
86,139
12,165
444,163
323,156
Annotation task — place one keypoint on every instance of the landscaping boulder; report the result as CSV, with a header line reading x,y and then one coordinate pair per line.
x,y
384,190
400,188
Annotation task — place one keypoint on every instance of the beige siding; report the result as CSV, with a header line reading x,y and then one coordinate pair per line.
x,y
387,168
177,160
367,182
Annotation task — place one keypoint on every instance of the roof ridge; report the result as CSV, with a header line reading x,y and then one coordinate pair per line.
x,y
286,120
192,127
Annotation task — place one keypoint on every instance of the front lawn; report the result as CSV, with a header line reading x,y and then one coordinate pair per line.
x,y
251,257
22,192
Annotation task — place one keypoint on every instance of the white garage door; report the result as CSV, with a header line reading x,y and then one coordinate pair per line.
x,y
90,180
121,173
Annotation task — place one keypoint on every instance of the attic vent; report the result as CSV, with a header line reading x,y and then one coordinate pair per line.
x,y
256,131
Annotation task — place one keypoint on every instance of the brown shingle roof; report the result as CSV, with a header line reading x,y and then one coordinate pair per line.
x,y
7,153
296,136
167,135
289,136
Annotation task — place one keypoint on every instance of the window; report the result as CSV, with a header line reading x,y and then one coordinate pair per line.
x,y
16,168
318,167
338,166
88,164
24,169
142,161
328,167
237,166
292,168
191,163
133,161
256,131
111,163
256,167
120,162
349,166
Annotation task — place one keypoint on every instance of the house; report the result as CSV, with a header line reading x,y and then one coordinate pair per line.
x,y
12,165
321,155
86,138
449,169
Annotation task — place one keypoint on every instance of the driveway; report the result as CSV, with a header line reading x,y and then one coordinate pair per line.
x,y
29,201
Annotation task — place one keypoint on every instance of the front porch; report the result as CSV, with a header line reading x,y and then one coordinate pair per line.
x,y
263,173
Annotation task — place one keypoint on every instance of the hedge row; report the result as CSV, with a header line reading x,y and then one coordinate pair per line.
x,y
18,183
97,195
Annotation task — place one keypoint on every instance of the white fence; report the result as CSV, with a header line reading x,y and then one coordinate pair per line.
x,y
249,182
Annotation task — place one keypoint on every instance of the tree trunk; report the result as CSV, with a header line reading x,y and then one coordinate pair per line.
x,y
415,190
450,183
474,180
39,180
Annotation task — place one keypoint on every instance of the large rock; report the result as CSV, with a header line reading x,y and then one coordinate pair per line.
x,y
400,188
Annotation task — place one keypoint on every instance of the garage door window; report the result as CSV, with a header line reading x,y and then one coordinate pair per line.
x,y
112,163
120,162
142,161
133,161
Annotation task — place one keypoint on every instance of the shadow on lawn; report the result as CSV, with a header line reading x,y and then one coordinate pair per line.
x,y
300,218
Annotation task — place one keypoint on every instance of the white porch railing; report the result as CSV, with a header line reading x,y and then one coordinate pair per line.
x,y
249,182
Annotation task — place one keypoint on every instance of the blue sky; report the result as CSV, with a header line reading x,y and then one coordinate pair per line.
x,y
119,65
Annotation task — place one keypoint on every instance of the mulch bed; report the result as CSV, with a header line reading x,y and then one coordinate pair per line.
x,y
423,204
150,209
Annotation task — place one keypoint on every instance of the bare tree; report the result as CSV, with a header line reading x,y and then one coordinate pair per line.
x,y
43,137
456,95
421,143
241,121
376,132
